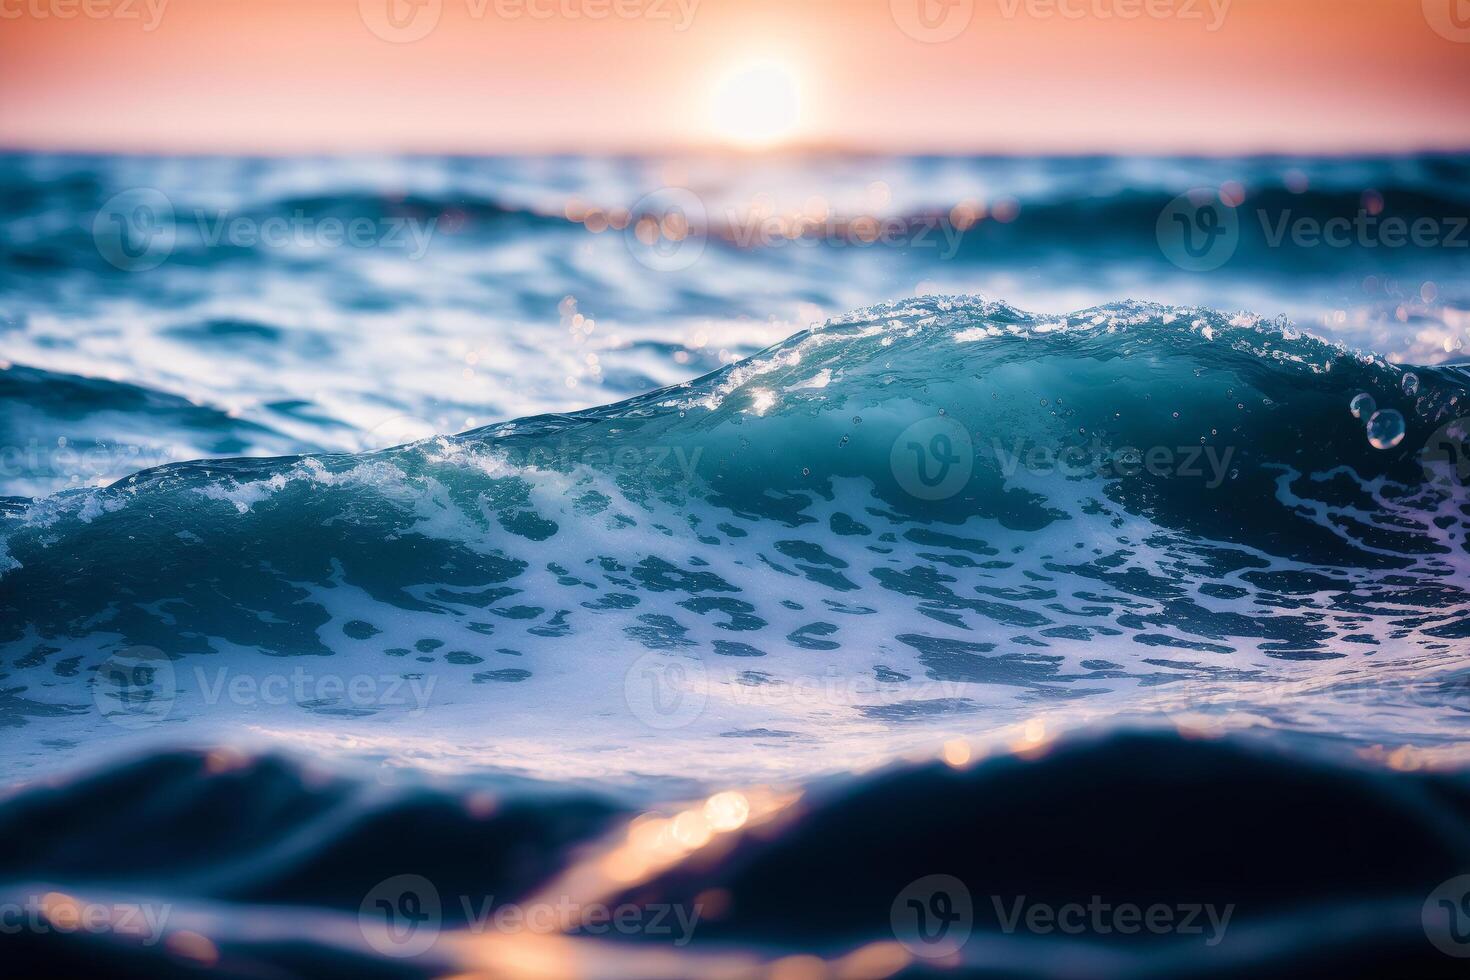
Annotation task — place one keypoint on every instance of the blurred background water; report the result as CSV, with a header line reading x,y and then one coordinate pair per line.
x,y
162,308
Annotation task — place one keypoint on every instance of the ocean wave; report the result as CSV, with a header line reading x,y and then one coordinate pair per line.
x,y
943,506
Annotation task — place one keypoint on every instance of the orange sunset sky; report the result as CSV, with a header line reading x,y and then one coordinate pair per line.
x,y
607,75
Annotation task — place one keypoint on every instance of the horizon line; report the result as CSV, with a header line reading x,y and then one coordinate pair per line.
x,y
813,148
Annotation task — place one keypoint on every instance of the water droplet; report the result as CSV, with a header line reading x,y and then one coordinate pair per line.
x,y
1411,384
1362,405
1385,429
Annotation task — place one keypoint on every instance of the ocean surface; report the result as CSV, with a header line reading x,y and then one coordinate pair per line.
x,y
390,542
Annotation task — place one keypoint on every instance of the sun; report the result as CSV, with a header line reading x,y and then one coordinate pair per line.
x,y
756,105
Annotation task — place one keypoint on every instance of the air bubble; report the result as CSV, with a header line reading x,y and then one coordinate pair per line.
x,y
1411,384
1362,406
1386,429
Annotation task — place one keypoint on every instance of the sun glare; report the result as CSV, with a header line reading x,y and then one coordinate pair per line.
x,y
756,105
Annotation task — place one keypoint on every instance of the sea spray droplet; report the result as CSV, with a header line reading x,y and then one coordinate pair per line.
x,y
1363,405
1386,429
1411,384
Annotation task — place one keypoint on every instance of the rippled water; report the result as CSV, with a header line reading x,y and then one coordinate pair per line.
x,y
306,305
648,480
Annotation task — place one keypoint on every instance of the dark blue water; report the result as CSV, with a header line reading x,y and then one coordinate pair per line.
x,y
637,533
